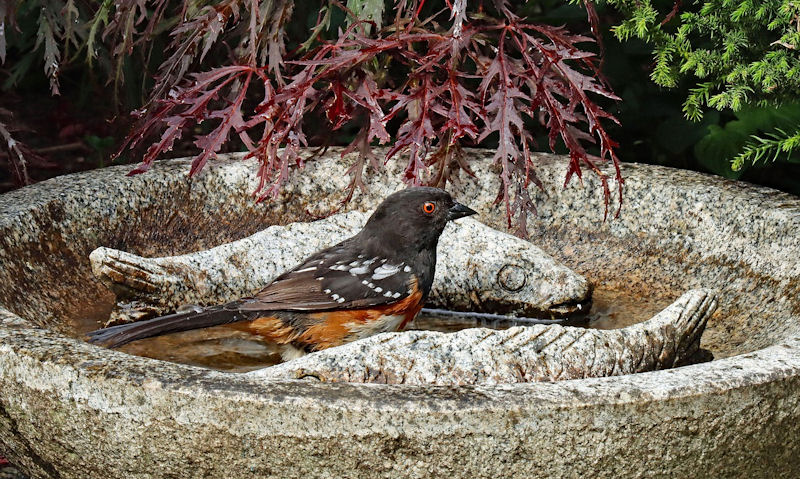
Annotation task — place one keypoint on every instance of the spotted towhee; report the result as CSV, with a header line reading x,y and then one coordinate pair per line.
x,y
373,282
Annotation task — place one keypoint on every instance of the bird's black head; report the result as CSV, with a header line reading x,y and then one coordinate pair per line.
x,y
415,217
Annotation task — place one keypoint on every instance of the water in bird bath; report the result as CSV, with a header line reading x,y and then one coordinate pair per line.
x,y
225,348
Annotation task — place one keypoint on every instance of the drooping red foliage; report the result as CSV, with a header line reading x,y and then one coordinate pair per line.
x,y
18,153
480,80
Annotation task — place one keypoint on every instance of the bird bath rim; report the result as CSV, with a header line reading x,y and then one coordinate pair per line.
x,y
99,384
657,384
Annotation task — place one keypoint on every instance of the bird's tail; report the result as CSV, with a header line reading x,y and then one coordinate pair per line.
x,y
115,336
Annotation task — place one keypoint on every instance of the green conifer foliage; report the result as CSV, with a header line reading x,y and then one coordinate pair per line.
x,y
742,54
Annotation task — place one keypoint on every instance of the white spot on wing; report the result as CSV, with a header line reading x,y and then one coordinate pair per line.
x,y
396,295
340,300
378,289
407,269
335,297
388,294
384,271
306,269
359,270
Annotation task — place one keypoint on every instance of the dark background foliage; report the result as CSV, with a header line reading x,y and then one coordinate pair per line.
x,y
113,64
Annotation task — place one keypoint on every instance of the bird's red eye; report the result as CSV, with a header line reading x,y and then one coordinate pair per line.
x,y
429,207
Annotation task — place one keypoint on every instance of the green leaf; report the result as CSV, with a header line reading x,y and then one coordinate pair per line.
x,y
777,145
19,70
101,17
52,55
367,10
98,143
5,17
677,134
727,150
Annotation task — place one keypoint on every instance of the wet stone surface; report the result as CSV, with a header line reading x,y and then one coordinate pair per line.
x,y
226,349
10,472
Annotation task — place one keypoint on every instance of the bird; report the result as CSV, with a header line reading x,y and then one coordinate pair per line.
x,y
373,282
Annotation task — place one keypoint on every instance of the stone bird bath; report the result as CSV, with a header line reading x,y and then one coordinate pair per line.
x,y
72,410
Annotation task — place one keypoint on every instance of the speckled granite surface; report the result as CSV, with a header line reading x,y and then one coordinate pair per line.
x,y
108,414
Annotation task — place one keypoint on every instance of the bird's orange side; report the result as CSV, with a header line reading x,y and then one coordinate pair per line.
x,y
334,328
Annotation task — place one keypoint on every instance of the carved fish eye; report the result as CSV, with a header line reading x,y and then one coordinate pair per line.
x,y
428,207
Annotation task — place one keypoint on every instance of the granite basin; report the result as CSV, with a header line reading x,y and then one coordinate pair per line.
x,y
72,410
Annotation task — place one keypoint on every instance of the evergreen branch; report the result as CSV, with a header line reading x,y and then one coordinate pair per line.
x,y
741,52
768,148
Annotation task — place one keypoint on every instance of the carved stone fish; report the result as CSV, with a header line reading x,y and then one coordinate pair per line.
x,y
478,269
481,356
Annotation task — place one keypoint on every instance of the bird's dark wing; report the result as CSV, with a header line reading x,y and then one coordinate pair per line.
x,y
337,278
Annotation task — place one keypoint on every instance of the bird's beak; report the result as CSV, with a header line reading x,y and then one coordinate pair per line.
x,y
459,211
